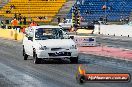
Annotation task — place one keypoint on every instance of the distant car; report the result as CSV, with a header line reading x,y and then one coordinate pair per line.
x,y
67,24
48,42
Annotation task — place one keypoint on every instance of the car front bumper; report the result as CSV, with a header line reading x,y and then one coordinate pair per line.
x,y
57,54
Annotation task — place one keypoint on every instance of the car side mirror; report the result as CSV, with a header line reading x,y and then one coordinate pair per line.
x,y
30,38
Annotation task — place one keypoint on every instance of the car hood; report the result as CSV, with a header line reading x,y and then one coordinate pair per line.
x,y
53,43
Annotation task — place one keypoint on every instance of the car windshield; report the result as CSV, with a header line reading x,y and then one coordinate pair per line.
x,y
49,33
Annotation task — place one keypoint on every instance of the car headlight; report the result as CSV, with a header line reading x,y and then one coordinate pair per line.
x,y
43,48
73,47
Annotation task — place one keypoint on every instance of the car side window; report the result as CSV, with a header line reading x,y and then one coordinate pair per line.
x,y
58,34
29,34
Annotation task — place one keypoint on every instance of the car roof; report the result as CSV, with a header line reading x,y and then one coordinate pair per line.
x,y
45,26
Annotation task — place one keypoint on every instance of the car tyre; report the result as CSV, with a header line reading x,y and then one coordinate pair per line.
x,y
74,59
24,54
36,60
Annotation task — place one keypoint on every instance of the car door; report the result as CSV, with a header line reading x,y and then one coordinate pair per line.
x,y
28,44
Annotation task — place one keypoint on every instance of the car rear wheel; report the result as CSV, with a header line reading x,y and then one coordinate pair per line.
x,y
24,54
74,59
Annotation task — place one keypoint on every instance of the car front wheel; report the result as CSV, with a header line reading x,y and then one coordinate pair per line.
x,y
24,54
36,60
74,59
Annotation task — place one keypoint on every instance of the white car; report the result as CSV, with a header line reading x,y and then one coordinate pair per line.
x,y
68,23
45,42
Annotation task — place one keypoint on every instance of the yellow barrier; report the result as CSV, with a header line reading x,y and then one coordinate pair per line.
x,y
11,34
20,36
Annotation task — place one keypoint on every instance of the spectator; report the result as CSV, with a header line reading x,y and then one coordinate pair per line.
x,y
105,20
33,24
23,29
15,15
104,7
44,17
78,2
90,3
58,18
122,20
20,18
83,2
110,8
127,20
12,7
88,12
8,11
82,19
40,17
101,18
72,29
2,25
14,23
64,20
24,21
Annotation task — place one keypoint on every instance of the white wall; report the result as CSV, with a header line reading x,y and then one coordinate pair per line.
x,y
117,30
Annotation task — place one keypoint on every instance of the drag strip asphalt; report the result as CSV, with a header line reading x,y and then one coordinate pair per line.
x,y
15,72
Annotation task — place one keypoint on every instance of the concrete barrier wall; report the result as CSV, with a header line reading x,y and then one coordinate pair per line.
x,y
117,30
20,36
11,34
